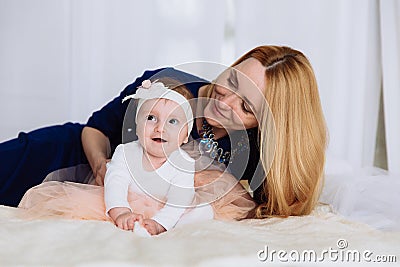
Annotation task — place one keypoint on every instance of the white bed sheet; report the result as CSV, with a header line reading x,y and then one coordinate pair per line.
x,y
369,219
368,195
213,243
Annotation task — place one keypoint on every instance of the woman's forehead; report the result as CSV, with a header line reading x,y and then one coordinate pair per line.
x,y
251,81
252,71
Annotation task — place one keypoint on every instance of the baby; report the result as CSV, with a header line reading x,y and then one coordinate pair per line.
x,y
154,164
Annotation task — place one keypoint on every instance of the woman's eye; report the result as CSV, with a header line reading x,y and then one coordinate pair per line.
x,y
173,121
245,107
151,118
231,82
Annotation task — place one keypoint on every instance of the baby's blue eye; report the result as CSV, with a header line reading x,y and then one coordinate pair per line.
x,y
173,121
151,118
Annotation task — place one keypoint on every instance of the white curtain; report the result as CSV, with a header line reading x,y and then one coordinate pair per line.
x,y
34,65
341,39
61,60
390,39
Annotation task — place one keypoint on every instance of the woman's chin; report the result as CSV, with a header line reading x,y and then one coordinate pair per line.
x,y
211,120
213,123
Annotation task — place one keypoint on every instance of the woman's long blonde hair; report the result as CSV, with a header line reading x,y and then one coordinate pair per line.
x,y
293,183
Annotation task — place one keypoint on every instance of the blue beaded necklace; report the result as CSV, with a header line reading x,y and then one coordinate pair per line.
x,y
210,146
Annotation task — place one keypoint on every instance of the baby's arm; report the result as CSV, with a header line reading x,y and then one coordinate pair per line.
x,y
179,197
153,227
124,218
116,186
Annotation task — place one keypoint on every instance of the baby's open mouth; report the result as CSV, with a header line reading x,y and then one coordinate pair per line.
x,y
159,140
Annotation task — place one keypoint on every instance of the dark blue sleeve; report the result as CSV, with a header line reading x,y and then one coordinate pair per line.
x,y
27,159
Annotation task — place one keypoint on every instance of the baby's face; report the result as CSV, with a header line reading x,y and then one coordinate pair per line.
x,y
161,127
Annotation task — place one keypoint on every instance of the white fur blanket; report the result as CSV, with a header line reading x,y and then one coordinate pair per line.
x,y
213,243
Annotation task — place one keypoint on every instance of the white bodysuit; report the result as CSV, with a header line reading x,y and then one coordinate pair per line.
x,y
172,183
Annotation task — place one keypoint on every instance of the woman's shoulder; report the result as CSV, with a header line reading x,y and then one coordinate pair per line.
x,y
180,75
191,81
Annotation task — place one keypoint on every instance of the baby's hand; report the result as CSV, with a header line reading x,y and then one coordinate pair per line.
x,y
153,227
126,220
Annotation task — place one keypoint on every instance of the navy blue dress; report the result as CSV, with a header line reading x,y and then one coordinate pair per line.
x,y
29,158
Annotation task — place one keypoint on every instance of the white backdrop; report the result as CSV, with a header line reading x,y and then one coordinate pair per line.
x,y
341,38
61,60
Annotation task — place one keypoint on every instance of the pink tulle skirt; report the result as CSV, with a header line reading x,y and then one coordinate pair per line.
x,y
77,201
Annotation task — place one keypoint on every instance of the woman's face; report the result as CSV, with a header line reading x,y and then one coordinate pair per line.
x,y
237,96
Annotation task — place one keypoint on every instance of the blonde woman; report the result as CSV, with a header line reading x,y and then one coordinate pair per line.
x,y
269,96
292,151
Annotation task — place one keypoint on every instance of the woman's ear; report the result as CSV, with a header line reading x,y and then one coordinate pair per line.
x,y
186,140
